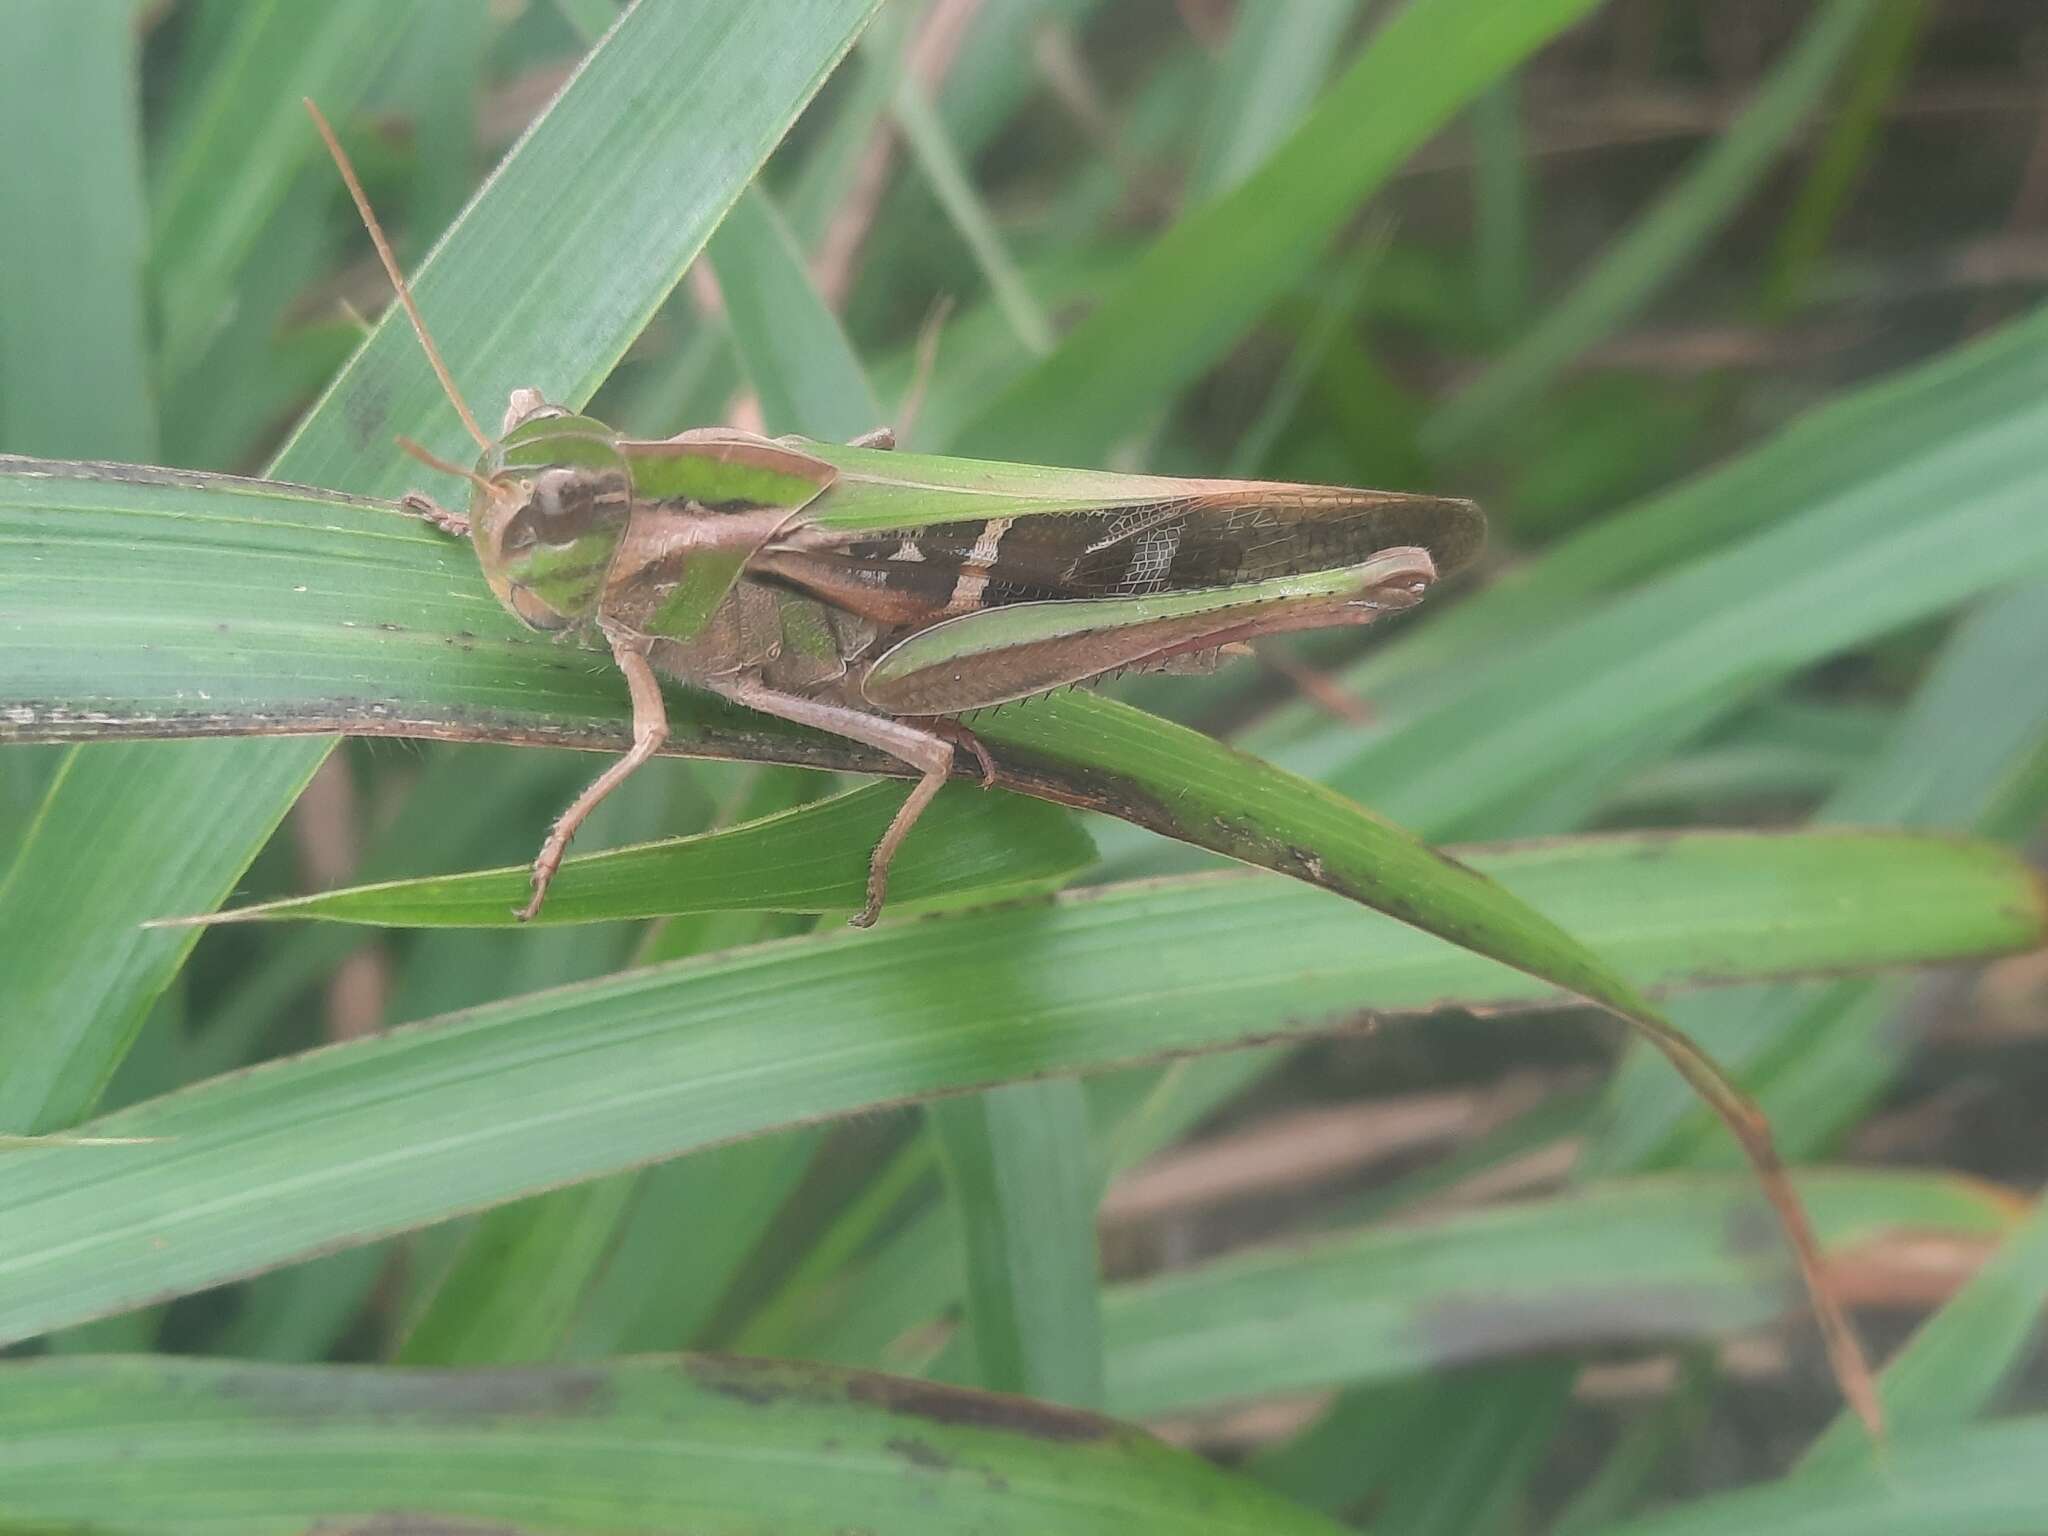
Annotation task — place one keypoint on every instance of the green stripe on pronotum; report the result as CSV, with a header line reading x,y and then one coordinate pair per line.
x,y
877,596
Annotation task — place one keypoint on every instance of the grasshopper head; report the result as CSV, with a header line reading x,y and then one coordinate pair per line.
x,y
553,499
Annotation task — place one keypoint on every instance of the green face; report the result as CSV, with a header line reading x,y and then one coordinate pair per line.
x,y
561,496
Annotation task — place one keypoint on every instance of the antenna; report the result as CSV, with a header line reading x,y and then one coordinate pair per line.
x,y
434,461
412,310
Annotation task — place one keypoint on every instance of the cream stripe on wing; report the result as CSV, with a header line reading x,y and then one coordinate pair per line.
x,y
973,578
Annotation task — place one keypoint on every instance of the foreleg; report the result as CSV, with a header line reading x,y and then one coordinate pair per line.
x,y
650,730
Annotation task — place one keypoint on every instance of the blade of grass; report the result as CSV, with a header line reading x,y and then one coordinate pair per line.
x,y
694,1222
1881,62
781,1321
1500,207
1656,1258
1834,1047
810,859
796,356
74,349
1196,290
262,364
1665,238
1952,1368
1984,1481
1021,1176
719,1447
349,1143
1981,716
513,1290
591,19
1862,439
241,143
925,135
439,78
83,975
1395,1441
1466,1479
1276,61
1911,540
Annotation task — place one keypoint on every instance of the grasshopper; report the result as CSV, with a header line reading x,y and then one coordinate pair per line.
x,y
880,596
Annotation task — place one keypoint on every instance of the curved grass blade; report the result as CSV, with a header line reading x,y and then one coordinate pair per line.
x,y
714,1446
349,1143
810,859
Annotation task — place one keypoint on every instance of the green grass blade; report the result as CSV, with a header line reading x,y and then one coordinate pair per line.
x,y
266,359
1500,216
1880,64
1984,1481
1655,1258
645,189
74,346
811,859
240,143
694,1222
714,1447
1951,1369
82,974
1980,717
1021,1175
778,1322
353,1142
925,133
1665,238
74,378
438,80
1396,1444
796,356
1872,435
518,1279
1902,543
1194,292
1275,63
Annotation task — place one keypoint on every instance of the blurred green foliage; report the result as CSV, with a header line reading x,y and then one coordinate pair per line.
x,y
1726,312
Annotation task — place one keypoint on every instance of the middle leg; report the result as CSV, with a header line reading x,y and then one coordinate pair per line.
x,y
924,750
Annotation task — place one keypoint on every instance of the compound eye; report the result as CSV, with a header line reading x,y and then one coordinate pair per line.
x,y
561,504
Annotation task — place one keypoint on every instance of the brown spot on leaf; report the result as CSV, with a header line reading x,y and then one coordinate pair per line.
x,y
920,1453
765,1383
1477,1327
967,1409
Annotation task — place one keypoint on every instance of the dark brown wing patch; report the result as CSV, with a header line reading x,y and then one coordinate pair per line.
x,y
912,575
